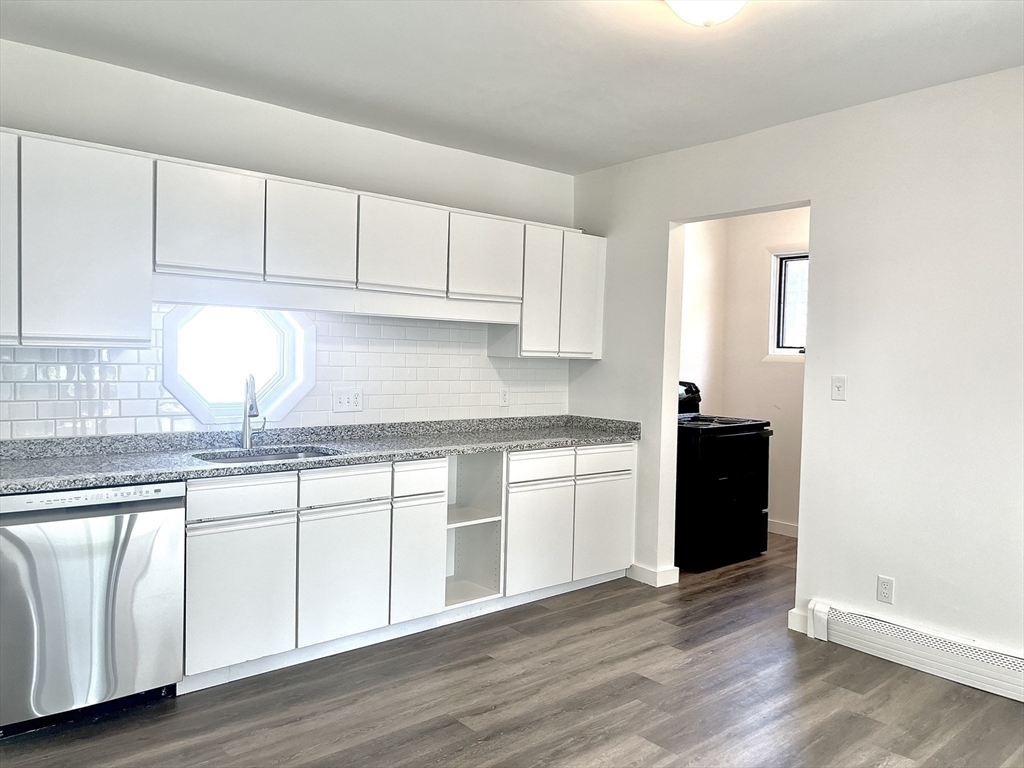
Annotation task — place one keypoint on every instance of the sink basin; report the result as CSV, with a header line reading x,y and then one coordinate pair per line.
x,y
266,453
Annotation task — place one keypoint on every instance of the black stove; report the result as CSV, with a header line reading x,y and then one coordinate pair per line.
x,y
721,490
721,424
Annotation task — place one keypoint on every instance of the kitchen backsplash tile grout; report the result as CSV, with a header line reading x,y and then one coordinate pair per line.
x,y
409,370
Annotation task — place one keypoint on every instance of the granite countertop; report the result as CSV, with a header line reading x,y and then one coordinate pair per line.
x,y
28,466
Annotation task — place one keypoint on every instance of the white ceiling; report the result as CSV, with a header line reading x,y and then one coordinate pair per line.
x,y
570,85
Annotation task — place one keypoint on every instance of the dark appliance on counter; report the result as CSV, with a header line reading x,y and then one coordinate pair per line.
x,y
721,490
689,397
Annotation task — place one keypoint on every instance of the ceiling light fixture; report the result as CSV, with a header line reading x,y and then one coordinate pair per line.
x,y
705,13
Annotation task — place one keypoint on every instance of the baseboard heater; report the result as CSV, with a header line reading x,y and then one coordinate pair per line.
x,y
977,667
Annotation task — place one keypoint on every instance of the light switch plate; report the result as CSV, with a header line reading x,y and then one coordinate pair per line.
x,y
346,399
838,387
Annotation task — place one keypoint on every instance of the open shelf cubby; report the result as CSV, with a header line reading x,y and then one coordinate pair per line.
x,y
474,489
475,496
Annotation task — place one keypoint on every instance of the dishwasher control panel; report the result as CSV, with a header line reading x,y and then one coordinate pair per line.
x,y
31,502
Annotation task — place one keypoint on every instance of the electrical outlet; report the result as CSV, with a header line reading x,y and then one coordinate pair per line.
x,y
885,589
838,387
504,395
346,399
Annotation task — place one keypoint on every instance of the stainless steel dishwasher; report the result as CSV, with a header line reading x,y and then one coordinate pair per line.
x,y
92,592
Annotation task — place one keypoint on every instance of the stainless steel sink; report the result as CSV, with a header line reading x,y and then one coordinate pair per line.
x,y
264,454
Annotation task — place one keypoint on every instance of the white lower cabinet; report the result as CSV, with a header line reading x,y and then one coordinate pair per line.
x,y
239,589
344,570
539,547
419,548
603,529
352,559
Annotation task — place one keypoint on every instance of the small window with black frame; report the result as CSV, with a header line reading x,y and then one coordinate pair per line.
x,y
791,308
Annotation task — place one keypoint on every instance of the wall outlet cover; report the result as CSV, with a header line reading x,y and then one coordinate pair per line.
x,y
504,395
346,399
885,589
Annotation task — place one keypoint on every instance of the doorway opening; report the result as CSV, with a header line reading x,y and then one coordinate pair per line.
x,y
743,328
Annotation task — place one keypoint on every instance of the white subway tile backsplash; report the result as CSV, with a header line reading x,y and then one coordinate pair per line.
x,y
21,429
409,370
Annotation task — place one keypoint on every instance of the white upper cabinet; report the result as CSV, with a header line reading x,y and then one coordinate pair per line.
x,y
311,234
583,261
209,221
9,273
403,247
485,258
86,246
542,292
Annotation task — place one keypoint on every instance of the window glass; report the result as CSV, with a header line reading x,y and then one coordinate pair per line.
x,y
209,352
219,347
792,317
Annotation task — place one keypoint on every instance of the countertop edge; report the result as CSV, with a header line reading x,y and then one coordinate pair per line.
x,y
146,476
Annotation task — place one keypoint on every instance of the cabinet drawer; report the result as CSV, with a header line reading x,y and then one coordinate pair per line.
x,y
595,459
341,485
214,497
524,466
413,478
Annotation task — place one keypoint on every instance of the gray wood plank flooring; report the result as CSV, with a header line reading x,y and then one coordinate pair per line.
x,y
703,673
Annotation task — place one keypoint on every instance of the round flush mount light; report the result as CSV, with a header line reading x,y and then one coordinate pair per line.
x,y
705,13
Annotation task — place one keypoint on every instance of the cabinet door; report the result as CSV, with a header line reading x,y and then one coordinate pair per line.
x,y
311,234
583,258
86,246
538,550
209,222
344,570
485,258
402,247
603,533
419,541
10,279
542,292
239,590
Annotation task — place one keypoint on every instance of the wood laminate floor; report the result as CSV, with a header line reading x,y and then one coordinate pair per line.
x,y
703,673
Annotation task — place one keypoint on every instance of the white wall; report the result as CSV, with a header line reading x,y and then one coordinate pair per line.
x,y
754,383
915,294
702,329
64,95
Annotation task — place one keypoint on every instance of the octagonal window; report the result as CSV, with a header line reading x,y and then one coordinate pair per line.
x,y
209,352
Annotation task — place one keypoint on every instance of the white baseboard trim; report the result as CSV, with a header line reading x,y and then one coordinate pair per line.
x,y
785,529
653,578
797,621
971,665
301,655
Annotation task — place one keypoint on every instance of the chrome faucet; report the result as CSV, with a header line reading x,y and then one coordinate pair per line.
x,y
250,409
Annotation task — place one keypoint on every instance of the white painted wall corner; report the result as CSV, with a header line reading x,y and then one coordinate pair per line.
x,y
653,578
